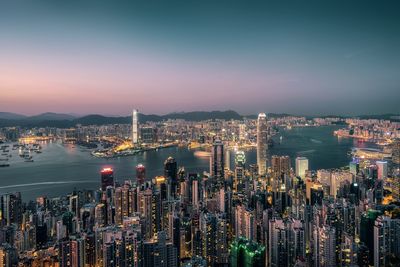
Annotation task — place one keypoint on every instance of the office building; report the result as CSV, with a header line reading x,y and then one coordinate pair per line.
x,y
301,167
107,178
135,127
262,143
217,161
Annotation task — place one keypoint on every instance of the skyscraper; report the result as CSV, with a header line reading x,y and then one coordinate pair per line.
x,y
135,126
324,246
107,178
262,143
140,174
301,167
217,160
396,151
386,240
171,174
124,202
240,160
11,208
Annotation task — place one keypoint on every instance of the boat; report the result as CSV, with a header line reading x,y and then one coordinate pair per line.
x,y
4,165
29,159
3,159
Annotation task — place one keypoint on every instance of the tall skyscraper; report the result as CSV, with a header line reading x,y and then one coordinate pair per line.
x,y
135,126
107,178
171,174
240,161
324,246
301,167
217,160
124,202
11,208
140,174
386,240
262,134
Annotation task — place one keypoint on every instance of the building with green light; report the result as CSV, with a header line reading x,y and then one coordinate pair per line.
x,y
246,253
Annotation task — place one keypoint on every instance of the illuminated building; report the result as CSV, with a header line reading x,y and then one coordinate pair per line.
x,y
246,253
240,161
140,174
11,208
70,136
217,161
386,240
8,255
348,251
195,194
157,252
72,252
280,166
245,222
287,242
208,228
221,240
278,253
396,152
262,145
147,135
366,229
301,167
354,167
107,178
171,174
324,246
135,126
382,169
124,200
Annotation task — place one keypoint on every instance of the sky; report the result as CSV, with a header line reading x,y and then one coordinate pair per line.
x,y
108,57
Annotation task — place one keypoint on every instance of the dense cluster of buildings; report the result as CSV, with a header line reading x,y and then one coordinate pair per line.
x,y
265,214
372,129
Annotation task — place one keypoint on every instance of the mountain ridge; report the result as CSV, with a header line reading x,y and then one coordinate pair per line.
x,y
61,120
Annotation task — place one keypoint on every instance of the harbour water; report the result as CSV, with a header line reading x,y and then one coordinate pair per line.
x,y
62,168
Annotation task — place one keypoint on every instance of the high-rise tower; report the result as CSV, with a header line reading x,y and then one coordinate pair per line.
x,y
217,160
135,126
262,143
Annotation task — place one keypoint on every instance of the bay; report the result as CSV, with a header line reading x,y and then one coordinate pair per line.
x,y
62,168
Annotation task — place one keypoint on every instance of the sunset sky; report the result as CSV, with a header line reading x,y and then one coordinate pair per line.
x,y
108,58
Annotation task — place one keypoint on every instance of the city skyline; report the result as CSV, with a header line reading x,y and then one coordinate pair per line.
x,y
317,59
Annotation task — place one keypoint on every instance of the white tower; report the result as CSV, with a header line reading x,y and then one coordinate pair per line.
x,y
262,143
135,126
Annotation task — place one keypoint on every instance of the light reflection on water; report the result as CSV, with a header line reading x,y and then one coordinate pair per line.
x,y
50,172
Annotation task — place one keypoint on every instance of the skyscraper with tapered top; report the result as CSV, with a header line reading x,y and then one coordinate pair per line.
x,y
262,143
135,126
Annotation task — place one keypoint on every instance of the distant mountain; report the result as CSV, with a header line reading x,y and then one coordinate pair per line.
x,y
11,116
204,115
95,119
269,115
66,120
50,116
